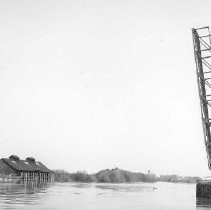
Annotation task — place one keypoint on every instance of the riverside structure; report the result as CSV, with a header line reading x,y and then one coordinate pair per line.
x,y
28,170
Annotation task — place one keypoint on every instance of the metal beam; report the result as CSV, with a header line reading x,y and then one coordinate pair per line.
x,y
200,46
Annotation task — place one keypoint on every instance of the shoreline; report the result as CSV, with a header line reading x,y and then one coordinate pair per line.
x,y
117,175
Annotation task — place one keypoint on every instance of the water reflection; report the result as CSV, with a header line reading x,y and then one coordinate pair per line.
x,y
135,187
126,188
92,196
21,194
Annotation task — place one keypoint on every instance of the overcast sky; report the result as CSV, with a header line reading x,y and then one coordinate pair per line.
x,y
92,84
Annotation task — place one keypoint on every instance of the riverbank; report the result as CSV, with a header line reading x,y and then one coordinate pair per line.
x,y
117,175
104,176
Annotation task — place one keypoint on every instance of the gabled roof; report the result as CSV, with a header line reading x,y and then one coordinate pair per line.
x,y
38,166
26,165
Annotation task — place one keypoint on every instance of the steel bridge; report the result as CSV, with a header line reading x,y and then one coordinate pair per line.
x,y
202,53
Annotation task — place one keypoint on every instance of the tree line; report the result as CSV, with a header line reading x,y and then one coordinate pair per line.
x,y
117,175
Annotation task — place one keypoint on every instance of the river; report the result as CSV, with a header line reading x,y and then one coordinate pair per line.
x,y
80,196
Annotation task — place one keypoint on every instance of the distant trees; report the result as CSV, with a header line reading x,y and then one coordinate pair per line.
x,y
176,178
108,176
117,175
81,176
63,176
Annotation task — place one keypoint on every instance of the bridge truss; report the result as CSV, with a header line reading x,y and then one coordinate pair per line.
x,y
202,53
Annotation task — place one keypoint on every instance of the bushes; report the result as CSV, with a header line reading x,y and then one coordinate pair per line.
x,y
62,176
108,176
81,176
175,178
118,176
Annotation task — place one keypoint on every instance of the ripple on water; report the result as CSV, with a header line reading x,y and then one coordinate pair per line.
x,y
17,195
92,196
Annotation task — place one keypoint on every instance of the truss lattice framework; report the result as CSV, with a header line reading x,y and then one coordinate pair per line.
x,y
202,52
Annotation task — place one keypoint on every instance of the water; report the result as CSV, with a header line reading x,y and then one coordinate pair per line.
x,y
80,196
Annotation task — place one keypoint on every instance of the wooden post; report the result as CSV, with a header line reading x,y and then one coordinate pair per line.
x,y
22,178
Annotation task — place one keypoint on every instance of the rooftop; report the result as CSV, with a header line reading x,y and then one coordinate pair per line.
x,y
28,165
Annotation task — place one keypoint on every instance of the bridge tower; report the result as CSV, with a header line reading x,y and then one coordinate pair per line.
x,y
202,53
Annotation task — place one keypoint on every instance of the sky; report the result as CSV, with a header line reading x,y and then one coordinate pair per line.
x,y
95,84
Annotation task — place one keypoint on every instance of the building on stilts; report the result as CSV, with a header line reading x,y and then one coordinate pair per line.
x,y
13,169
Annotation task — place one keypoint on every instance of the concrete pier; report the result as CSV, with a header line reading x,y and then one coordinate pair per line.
x,y
203,189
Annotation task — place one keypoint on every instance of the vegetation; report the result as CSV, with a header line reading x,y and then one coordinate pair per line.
x,y
176,178
109,176
117,175
63,176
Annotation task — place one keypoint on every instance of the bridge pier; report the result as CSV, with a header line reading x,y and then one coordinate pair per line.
x,y
203,189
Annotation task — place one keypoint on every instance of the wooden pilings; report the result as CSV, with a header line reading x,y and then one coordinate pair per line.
x,y
36,177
